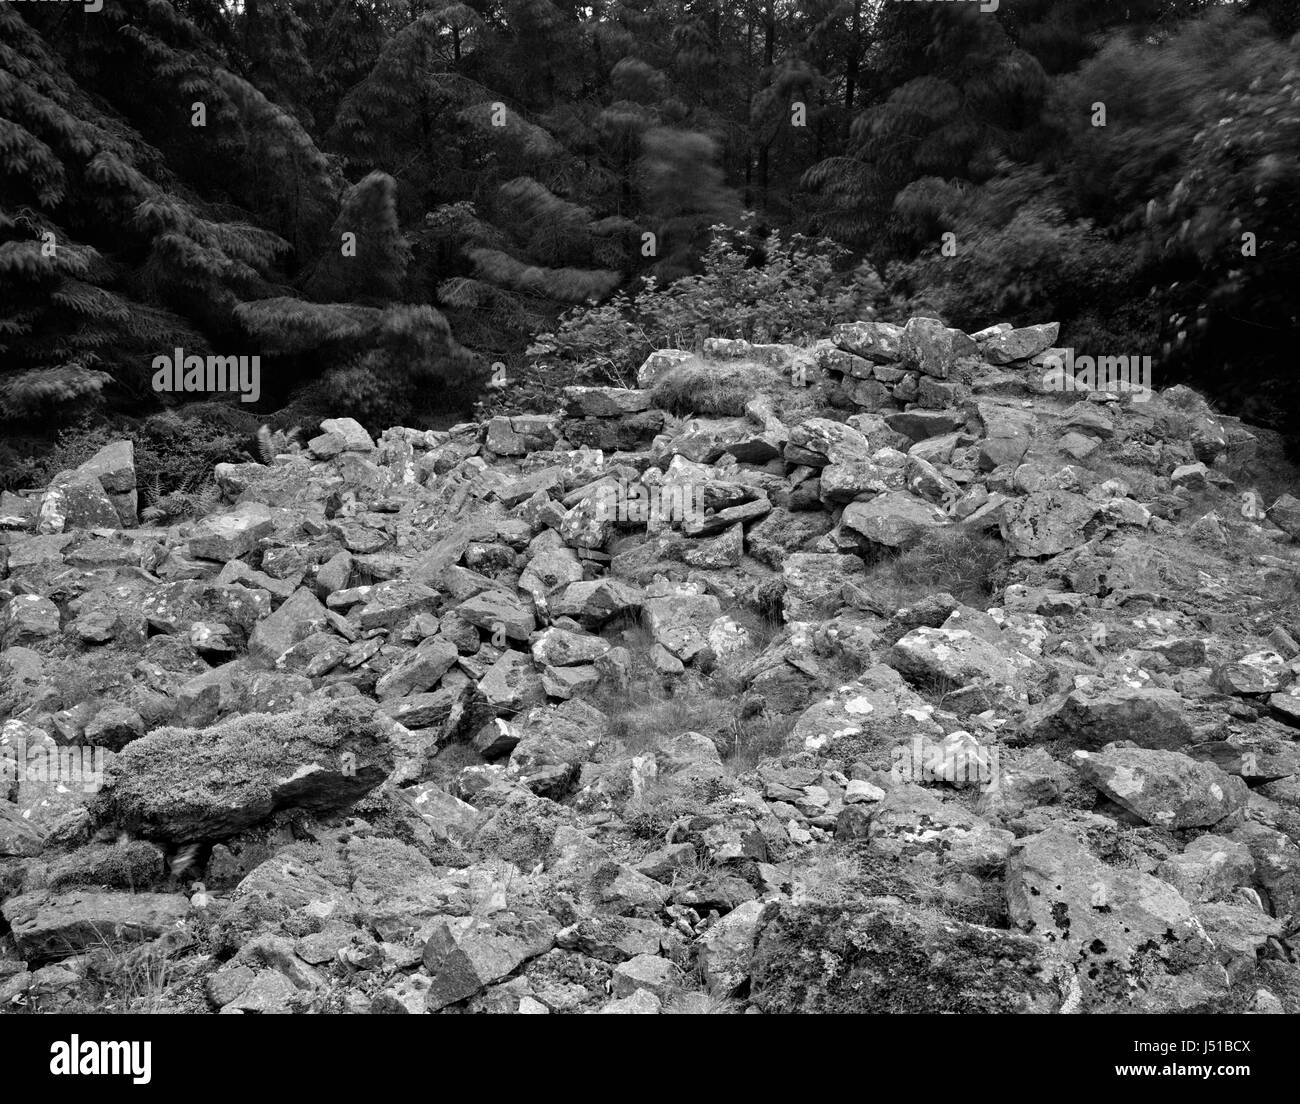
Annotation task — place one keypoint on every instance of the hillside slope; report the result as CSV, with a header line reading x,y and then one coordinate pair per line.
x,y
898,681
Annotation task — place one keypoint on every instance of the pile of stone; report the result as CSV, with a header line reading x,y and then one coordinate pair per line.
x,y
271,699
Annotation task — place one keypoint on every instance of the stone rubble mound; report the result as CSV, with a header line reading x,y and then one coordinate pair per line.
x,y
372,736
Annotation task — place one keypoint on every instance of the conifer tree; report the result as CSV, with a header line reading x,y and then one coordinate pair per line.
x,y
366,258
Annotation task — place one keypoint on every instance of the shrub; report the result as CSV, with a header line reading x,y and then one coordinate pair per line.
x,y
174,453
775,288
415,367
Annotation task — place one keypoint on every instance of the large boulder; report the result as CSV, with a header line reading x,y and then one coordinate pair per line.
x,y
893,519
186,784
223,537
932,347
1164,788
1005,346
46,926
75,500
295,620
1149,716
465,953
884,956
1126,934
114,467
1046,522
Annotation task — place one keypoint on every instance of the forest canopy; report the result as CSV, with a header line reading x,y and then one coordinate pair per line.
x,y
383,198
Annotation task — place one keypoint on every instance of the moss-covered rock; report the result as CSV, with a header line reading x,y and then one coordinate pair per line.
x,y
885,956
133,864
189,784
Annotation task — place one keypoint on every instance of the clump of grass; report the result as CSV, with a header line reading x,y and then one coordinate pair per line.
x,y
748,739
694,387
641,717
702,1003
824,876
651,706
116,976
968,565
699,868
133,979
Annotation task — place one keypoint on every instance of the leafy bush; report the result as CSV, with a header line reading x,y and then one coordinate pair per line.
x,y
770,288
1021,259
174,454
416,367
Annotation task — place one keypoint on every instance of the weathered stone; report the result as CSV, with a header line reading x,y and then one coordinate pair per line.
x,y
814,582
28,619
295,620
46,926
178,784
465,953
1007,346
419,670
950,656
355,437
605,402
75,500
934,348
1164,788
594,602
651,973
874,340
1046,522
562,648
224,537
1257,673
495,611
893,519
511,684
1105,921
1150,717
894,957
679,621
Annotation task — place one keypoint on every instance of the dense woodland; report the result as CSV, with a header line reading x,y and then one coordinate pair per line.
x,y
537,181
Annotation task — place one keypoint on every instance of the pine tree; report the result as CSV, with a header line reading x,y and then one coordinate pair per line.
x,y
366,259
107,256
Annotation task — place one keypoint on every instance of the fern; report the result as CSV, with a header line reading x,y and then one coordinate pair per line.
x,y
273,443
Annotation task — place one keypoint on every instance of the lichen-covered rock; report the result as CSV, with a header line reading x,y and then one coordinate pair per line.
x,y
56,925
76,500
1164,788
178,784
680,620
1132,941
465,953
223,537
1151,717
1046,522
28,619
884,956
1006,346
934,348
894,518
